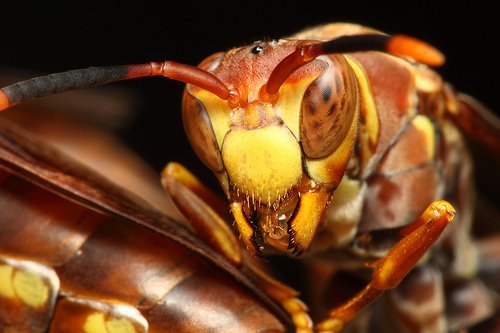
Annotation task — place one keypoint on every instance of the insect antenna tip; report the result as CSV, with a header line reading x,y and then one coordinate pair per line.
x,y
419,50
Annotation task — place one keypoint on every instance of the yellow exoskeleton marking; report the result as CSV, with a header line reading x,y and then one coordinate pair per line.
x,y
425,126
369,132
6,287
28,282
263,163
97,323
218,111
31,288
289,103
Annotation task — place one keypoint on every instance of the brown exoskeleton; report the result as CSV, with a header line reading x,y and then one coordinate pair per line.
x,y
337,139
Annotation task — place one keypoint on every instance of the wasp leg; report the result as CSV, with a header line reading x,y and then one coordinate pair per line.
x,y
204,211
395,265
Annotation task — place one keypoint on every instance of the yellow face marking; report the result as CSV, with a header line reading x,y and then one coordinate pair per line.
x,y
218,111
30,288
262,163
425,126
289,105
308,217
244,228
6,287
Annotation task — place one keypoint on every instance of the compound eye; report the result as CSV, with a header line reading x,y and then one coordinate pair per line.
x,y
197,123
328,108
200,132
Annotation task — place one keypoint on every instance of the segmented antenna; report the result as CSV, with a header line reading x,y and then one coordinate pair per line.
x,y
94,76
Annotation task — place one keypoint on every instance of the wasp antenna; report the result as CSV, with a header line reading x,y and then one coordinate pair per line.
x,y
398,45
420,51
188,74
59,82
93,76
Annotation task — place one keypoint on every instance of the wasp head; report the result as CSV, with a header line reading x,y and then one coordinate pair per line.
x,y
278,156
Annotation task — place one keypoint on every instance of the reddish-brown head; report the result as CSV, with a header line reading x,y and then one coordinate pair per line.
x,y
261,146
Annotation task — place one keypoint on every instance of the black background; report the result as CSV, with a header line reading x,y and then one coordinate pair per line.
x,y
49,38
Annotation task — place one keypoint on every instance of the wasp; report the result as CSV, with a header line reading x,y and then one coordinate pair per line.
x,y
340,146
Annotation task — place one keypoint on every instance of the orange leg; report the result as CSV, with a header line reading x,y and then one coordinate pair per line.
x,y
393,267
204,212
202,209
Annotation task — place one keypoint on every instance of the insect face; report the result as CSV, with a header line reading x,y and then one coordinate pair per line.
x,y
278,157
